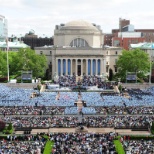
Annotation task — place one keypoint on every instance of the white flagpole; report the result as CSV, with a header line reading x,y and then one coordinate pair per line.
x,y
150,65
8,77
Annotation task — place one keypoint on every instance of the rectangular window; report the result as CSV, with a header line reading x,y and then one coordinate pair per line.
x,y
41,52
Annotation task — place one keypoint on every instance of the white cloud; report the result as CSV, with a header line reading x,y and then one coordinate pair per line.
x,y
43,15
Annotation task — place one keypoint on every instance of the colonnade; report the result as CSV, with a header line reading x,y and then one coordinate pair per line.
x,y
76,66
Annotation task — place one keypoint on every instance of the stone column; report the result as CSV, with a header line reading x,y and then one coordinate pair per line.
x,y
81,67
61,67
66,66
57,67
53,59
91,67
104,64
71,63
102,70
86,66
96,66
76,60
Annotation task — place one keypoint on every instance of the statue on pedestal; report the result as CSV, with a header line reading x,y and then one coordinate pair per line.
x,y
56,77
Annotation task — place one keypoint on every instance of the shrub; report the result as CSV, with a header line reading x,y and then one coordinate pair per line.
x,y
4,79
9,129
19,81
152,128
4,131
9,126
140,137
2,125
27,81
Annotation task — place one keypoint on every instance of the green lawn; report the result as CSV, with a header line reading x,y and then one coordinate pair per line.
x,y
48,147
119,147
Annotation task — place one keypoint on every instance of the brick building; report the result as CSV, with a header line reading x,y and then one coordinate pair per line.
x,y
115,38
33,41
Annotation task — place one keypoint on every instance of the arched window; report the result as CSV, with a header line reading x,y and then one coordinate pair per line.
x,y
79,42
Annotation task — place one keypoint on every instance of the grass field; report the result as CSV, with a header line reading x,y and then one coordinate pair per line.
x,y
119,147
48,147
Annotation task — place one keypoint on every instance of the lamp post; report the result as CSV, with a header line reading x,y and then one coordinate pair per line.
x,y
150,65
7,48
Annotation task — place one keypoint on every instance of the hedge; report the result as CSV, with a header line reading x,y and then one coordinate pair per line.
x,y
140,137
4,79
152,128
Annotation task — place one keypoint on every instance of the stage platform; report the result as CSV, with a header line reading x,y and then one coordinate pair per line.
x,y
80,103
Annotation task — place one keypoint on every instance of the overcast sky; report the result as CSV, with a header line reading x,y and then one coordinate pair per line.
x,y
43,15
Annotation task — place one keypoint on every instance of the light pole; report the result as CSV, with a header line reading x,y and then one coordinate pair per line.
x,y
150,64
7,48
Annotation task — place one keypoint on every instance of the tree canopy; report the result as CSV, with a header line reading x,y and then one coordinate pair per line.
x,y
133,61
23,60
3,63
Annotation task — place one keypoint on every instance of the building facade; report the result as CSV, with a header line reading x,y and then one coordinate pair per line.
x,y
125,42
78,50
12,46
3,27
149,49
127,34
32,40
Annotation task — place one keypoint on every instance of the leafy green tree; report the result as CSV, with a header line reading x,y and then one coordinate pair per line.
x,y
133,61
26,59
3,64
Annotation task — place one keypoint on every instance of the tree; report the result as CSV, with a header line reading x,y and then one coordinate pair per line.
x,y
110,74
26,59
23,60
133,61
3,64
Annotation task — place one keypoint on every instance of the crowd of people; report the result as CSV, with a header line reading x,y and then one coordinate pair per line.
x,y
25,144
31,110
113,111
96,81
124,110
87,80
73,121
64,143
83,143
138,146
67,81
71,110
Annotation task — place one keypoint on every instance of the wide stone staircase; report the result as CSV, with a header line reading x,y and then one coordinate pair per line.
x,y
78,78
